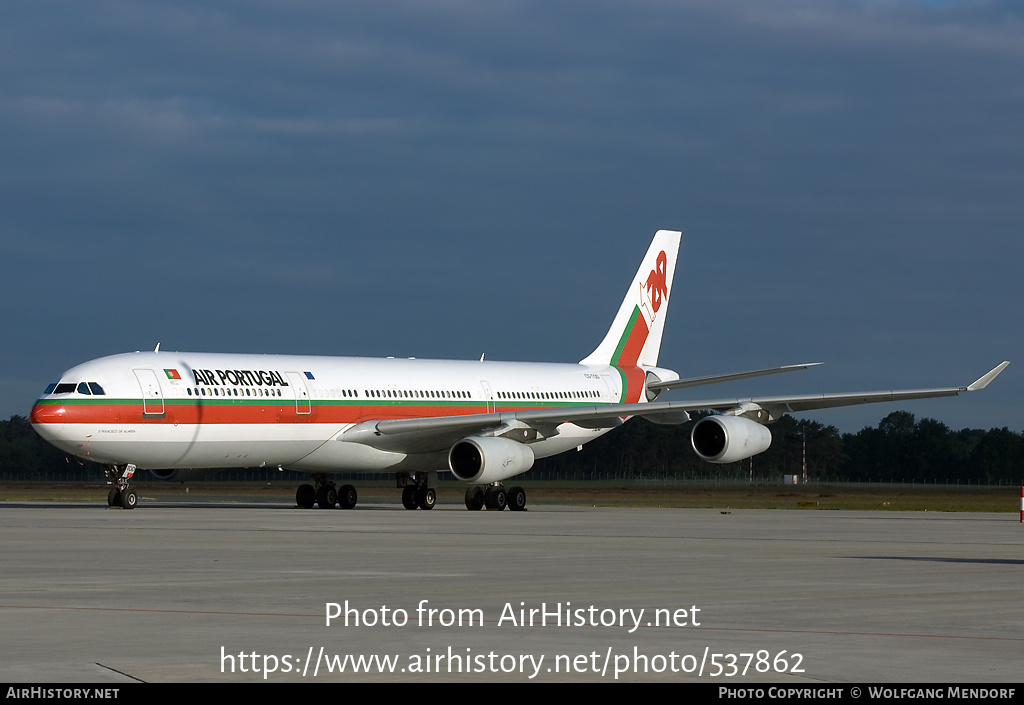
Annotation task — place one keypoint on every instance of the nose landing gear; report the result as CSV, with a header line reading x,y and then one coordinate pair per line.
x,y
120,495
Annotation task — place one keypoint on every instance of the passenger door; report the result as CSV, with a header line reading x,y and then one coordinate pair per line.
x,y
152,395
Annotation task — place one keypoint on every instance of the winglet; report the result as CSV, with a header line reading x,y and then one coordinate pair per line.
x,y
983,381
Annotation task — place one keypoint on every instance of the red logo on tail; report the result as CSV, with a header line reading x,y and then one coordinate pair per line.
x,y
657,287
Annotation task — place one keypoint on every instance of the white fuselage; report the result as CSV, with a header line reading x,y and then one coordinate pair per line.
x,y
163,410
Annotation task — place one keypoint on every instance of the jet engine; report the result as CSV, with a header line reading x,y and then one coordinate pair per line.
x,y
485,459
726,439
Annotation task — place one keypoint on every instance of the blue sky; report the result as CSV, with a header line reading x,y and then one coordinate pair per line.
x,y
445,179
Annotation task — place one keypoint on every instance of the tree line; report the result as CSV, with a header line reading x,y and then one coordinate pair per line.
x,y
898,449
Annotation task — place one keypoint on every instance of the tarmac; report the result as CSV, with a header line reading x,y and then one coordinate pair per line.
x,y
241,592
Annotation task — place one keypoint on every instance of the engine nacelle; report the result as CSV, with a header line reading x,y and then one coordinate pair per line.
x,y
726,439
485,459
181,474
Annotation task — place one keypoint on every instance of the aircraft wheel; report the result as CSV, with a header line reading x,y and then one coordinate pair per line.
x,y
426,498
326,497
129,499
474,498
347,497
305,496
496,498
517,499
114,498
409,497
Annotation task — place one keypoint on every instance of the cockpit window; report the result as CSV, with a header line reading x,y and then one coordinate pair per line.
x,y
88,388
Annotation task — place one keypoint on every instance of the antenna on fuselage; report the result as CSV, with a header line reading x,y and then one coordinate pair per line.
x,y
157,348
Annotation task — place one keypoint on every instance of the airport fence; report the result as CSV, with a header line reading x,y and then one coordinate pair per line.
x,y
78,474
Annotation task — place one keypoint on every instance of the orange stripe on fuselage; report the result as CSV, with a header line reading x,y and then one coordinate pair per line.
x,y
227,414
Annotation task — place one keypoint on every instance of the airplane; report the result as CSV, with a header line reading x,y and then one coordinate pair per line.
x,y
185,415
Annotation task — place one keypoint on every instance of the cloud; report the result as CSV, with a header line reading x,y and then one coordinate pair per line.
x,y
858,162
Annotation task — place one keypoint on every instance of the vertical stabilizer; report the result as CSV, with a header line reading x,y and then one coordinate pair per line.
x,y
635,336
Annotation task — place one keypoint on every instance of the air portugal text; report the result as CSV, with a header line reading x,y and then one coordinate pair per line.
x,y
240,378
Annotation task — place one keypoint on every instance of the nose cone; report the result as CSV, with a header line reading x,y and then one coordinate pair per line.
x,y
47,419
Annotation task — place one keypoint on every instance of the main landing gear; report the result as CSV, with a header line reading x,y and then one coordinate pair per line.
x,y
120,495
325,494
495,497
417,492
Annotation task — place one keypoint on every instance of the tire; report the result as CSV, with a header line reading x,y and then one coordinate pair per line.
x,y
409,497
114,498
327,497
426,498
474,498
496,498
347,497
305,496
517,499
129,499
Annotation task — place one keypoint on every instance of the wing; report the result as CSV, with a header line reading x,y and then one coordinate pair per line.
x,y
439,433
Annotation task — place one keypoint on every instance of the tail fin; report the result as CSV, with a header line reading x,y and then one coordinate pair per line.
x,y
635,336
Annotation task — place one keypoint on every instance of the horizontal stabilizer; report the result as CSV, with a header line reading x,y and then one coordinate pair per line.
x,y
718,379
